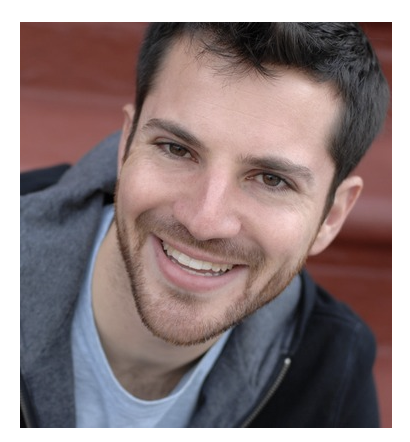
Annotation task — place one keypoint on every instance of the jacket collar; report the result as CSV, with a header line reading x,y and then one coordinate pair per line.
x,y
57,227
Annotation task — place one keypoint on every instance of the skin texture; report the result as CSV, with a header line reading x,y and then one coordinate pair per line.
x,y
225,169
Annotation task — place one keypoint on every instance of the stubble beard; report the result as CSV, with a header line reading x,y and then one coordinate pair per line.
x,y
177,317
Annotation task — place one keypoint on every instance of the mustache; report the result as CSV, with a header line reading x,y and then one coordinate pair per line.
x,y
226,249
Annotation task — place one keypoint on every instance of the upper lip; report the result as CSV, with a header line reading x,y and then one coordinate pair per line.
x,y
197,254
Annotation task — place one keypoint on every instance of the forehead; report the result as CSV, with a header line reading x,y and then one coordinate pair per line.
x,y
198,90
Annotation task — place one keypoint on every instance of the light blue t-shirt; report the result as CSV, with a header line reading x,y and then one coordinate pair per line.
x,y
100,400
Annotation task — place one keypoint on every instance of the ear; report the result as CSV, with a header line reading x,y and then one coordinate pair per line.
x,y
129,111
345,198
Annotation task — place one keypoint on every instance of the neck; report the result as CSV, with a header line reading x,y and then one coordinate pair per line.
x,y
145,365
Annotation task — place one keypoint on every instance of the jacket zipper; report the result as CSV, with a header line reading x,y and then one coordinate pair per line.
x,y
269,394
25,410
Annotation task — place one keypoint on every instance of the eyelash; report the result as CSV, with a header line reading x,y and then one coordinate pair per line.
x,y
165,149
282,186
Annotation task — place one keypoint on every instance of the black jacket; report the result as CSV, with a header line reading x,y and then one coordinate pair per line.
x,y
324,376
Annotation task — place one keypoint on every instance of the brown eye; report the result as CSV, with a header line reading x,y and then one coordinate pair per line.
x,y
178,151
271,180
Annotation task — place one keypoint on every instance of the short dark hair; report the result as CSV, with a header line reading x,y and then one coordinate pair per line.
x,y
339,53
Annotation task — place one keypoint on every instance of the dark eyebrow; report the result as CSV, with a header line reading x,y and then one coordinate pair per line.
x,y
174,129
280,165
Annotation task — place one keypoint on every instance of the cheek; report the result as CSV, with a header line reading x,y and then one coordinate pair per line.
x,y
286,237
147,183
139,189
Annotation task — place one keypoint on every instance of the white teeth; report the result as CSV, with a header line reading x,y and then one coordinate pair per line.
x,y
183,259
195,264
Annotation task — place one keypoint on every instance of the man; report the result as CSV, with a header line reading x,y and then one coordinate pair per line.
x,y
162,280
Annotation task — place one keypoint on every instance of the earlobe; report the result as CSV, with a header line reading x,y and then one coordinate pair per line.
x,y
129,111
346,196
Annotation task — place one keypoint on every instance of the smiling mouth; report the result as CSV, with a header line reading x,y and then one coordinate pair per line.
x,y
195,266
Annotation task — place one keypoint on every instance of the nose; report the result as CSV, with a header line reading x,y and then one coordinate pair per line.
x,y
209,208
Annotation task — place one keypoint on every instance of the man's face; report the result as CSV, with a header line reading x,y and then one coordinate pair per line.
x,y
222,193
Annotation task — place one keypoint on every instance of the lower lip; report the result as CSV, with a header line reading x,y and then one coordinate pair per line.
x,y
181,279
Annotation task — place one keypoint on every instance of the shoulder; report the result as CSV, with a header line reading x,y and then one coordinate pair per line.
x,y
331,373
39,179
336,334
97,169
329,382
336,316
330,314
